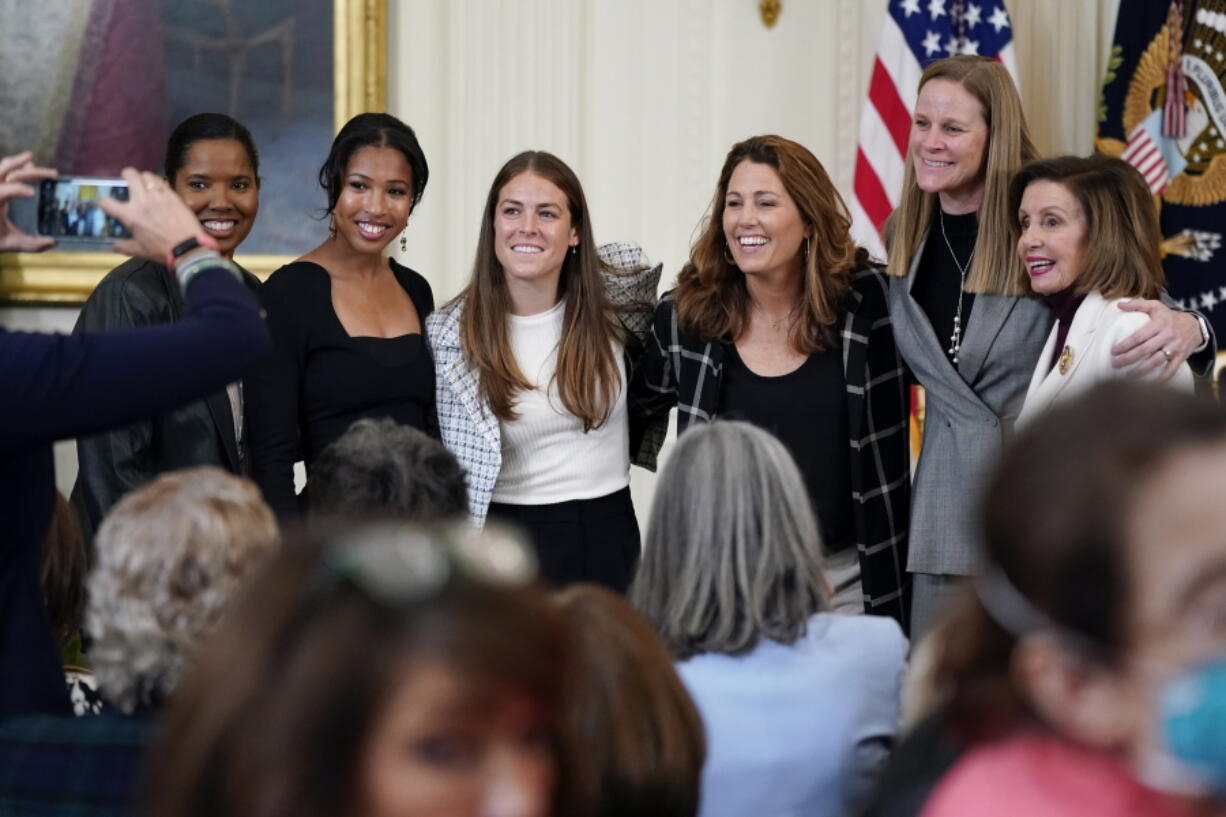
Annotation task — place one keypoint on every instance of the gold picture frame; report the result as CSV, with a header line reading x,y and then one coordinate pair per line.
x,y
359,56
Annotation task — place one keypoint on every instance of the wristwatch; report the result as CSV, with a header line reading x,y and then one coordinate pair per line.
x,y
195,242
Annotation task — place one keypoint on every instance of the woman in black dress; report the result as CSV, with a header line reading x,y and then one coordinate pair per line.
x,y
346,321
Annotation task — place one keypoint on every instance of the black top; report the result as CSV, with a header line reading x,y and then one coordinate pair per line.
x,y
319,380
59,386
807,410
142,293
1063,306
937,280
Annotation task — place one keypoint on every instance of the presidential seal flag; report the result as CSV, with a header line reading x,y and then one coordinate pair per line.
x,y
1163,109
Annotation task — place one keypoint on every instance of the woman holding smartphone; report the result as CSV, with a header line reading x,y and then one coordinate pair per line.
x,y
213,165
346,321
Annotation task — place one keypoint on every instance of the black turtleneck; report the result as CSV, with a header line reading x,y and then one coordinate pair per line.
x,y
937,280
1063,306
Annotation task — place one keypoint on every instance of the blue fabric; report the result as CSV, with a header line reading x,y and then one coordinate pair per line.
x,y
799,729
64,766
59,386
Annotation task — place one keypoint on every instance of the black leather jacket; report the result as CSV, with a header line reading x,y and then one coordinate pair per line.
x,y
142,293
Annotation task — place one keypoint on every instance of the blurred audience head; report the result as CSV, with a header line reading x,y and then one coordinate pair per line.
x,y
1103,589
380,469
65,564
642,735
168,557
377,669
732,554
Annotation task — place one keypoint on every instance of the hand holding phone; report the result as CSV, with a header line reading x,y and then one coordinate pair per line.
x,y
157,217
15,172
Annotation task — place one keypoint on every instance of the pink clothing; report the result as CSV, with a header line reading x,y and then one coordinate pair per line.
x,y
1035,774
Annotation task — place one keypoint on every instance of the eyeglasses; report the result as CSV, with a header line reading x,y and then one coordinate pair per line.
x,y
395,563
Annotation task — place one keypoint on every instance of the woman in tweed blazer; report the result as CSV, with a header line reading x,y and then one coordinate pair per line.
x,y
825,378
531,371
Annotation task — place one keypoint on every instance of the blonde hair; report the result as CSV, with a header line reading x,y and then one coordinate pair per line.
x,y
996,269
169,556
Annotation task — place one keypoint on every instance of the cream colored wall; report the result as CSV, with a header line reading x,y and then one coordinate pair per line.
x,y
644,97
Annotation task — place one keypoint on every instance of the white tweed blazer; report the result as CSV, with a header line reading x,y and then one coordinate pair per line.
x,y
468,427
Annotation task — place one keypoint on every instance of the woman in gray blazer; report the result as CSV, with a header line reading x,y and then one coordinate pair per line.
x,y
961,318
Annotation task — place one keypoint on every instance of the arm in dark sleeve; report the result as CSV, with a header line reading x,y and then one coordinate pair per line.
x,y
1200,362
58,386
271,400
113,463
653,390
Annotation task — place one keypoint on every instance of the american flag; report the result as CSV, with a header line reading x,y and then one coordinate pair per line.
x,y
914,34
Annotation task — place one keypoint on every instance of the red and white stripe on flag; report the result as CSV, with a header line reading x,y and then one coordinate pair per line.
x,y
913,34
1142,152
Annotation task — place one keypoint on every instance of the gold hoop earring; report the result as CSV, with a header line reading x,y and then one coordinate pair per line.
x,y
806,248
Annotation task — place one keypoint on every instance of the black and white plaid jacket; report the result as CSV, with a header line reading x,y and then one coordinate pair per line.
x,y
681,370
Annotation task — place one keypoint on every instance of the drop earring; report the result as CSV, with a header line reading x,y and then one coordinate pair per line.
x,y
806,248
574,249
332,225
404,242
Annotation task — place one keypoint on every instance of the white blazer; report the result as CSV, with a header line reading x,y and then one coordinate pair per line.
x,y
1086,359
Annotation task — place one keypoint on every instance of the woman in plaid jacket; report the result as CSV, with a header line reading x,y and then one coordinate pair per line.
x,y
531,374
780,320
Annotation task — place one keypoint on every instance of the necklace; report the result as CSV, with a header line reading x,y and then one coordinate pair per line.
x,y
955,337
777,323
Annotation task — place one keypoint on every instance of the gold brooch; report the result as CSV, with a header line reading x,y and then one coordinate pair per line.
x,y
1066,359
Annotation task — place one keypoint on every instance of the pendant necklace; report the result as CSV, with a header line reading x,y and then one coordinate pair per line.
x,y
955,337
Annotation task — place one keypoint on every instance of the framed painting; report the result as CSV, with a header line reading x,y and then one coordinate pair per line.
x,y
122,73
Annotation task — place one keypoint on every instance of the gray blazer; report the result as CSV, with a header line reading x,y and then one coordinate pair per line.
x,y
969,413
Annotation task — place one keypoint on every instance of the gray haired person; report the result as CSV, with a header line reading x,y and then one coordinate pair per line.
x,y
800,703
380,468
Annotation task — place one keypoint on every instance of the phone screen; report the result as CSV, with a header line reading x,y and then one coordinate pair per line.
x,y
68,208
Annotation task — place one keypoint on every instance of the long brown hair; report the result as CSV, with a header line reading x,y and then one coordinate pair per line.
x,y
281,702
1123,256
712,301
587,372
996,269
643,735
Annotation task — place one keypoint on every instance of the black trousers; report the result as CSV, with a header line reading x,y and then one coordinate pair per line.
x,y
582,540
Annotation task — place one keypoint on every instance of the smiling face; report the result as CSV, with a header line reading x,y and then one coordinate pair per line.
x,y
444,747
219,185
375,199
532,232
762,224
949,137
1053,236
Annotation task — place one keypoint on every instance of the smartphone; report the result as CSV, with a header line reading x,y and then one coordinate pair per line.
x,y
68,208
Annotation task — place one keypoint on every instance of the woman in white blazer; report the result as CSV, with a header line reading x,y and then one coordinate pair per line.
x,y
800,704
531,373
962,318
1087,231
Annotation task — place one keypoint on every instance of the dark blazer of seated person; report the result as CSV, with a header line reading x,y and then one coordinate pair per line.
x,y
137,293
319,379
60,386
